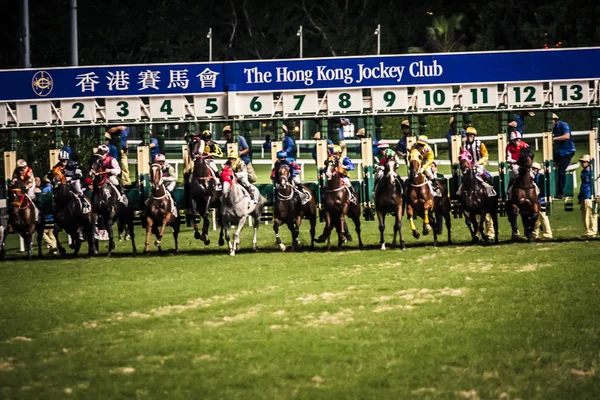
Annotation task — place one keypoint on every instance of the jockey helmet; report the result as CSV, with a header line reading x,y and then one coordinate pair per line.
x,y
514,135
536,166
383,144
348,164
159,157
206,135
282,154
471,131
63,155
234,155
21,163
422,140
103,149
337,149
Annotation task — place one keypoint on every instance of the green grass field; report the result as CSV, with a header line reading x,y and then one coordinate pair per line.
x,y
515,320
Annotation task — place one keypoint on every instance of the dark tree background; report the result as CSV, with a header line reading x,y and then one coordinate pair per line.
x,y
152,31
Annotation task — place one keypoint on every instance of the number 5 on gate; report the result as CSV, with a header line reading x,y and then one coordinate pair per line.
x,y
214,105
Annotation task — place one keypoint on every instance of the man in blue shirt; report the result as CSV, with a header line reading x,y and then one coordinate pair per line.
x,y
564,149
451,132
519,121
341,137
112,149
243,152
401,145
288,142
590,220
125,180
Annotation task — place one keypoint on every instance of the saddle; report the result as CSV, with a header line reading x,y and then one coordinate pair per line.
x,y
436,192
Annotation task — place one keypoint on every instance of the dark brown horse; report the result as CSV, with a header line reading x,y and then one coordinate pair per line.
x,y
69,215
523,197
161,211
108,207
442,208
289,210
389,200
203,194
337,204
419,197
21,218
475,201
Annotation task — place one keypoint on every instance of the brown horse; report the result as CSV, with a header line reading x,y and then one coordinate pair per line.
x,y
289,210
161,211
523,197
21,218
337,204
475,201
419,198
389,200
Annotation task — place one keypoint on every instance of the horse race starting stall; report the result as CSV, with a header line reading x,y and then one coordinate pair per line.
x,y
318,89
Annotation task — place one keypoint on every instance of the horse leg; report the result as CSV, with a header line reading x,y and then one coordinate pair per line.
x,y
59,245
471,225
2,243
494,215
111,240
398,226
410,215
276,224
435,234
426,222
313,231
236,236
149,223
356,220
226,228
205,223
328,229
513,214
131,232
176,228
158,241
340,231
381,218
256,223
296,232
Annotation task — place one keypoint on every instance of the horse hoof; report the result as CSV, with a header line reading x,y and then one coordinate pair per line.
x,y
255,248
202,237
416,234
146,252
435,243
232,253
157,242
361,247
382,246
207,242
221,242
282,246
197,235
62,251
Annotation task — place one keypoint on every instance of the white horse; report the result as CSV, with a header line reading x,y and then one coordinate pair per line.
x,y
236,206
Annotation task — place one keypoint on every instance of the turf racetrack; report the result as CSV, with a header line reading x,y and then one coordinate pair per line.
x,y
511,321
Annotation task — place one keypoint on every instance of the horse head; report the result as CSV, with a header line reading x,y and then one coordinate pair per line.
x,y
390,169
283,174
196,147
415,159
98,178
156,177
17,190
466,161
525,158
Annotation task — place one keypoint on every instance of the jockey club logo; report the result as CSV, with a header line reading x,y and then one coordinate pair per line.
x,y
42,83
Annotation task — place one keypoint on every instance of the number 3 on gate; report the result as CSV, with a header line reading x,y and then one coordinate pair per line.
x,y
122,109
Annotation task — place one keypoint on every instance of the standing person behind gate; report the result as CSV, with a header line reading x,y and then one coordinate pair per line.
x,y
451,132
564,149
542,220
317,136
590,220
112,149
519,122
341,136
401,149
125,180
362,134
243,152
288,145
154,148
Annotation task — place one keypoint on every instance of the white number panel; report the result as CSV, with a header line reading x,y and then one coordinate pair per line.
x,y
571,92
526,95
435,97
210,106
479,96
167,107
3,114
119,109
300,103
33,113
389,99
344,100
78,110
254,103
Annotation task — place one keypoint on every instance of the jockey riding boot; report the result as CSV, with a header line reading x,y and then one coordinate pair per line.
x,y
303,194
218,183
251,194
459,191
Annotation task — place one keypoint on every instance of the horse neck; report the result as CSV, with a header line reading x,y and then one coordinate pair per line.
x,y
420,177
200,168
469,178
525,175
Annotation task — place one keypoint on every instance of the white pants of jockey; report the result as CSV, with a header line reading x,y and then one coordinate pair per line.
x,y
113,179
31,193
170,186
213,166
513,170
76,186
296,180
242,178
429,174
346,182
379,173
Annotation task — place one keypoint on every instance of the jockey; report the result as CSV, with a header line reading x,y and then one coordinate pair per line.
x,y
344,164
238,166
110,166
283,158
25,174
72,175
513,151
422,146
168,172
383,155
212,149
479,152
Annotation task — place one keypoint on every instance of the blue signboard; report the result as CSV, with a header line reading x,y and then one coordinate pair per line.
x,y
316,73
111,81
